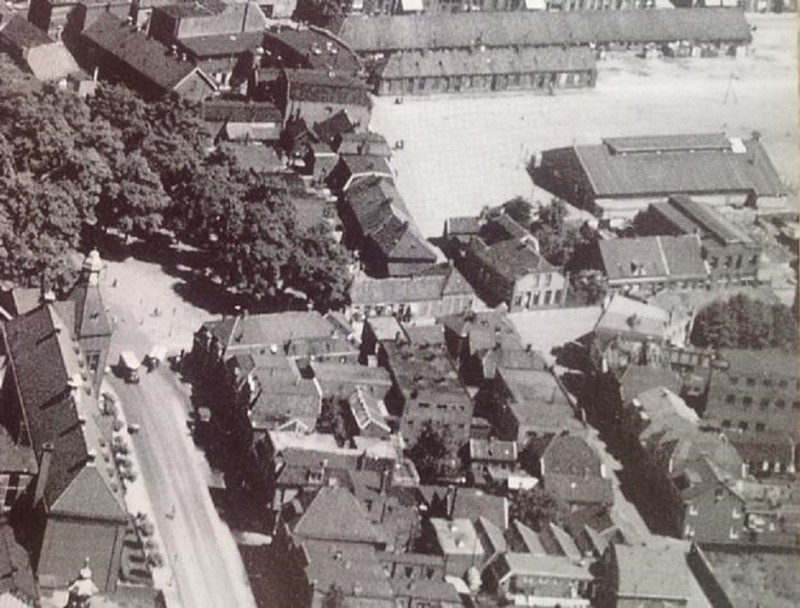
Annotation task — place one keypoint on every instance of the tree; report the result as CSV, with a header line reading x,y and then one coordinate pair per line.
x,y
429,453
743,322
536,508
519,210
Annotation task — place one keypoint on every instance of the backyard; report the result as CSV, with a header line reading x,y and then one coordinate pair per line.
x,y
461,153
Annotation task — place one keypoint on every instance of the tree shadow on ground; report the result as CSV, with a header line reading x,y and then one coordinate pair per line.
x,y
241,511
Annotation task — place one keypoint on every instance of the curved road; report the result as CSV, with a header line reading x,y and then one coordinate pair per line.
x,y
207,567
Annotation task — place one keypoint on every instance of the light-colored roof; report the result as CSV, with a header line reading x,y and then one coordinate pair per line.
x,y
457,536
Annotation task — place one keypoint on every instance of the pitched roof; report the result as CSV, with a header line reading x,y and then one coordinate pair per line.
x,y
652,572
653,257
332,127
471,502
567,454
354,569
510,258
418,288
147,57
51,62
230,110
19,33
551,566
690,216
675,171
456,536
325,87
266,330
320,49
541,28
574,489
760,362
221,45
336,515
639,378
362,143
59,409
488,62
16,575
628,316
91,318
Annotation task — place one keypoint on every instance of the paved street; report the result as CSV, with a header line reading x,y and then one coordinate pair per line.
x,y
203,555
208,569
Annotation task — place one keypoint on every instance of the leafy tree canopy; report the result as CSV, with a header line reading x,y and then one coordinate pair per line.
x,y
742,322
429,453
536,508
116,162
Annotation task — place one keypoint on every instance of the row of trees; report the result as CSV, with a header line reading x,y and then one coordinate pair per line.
x,y
742,322
115,162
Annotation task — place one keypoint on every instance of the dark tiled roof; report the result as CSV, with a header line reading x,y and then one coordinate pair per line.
x,y
574,489
511,258
91,318
20,34
367,143
51,414
665,173
226,110
146,56
336,515
221,45
356,570
653,257
468,225
470,503
366,163
690,216
321,86
321,50
761,362
256,158
488,62
333,126
540,28
16,575
568,455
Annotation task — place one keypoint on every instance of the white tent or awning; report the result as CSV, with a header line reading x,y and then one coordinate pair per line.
x,y
411,6
536,5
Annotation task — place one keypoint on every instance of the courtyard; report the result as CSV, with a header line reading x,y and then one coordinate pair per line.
x,y
463,153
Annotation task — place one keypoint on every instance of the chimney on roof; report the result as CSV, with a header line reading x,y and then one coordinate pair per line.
x,y
44,471
173,49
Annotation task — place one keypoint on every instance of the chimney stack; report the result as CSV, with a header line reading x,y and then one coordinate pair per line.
x,y
44,471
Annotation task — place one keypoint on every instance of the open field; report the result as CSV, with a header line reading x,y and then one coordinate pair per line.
x,y
466,152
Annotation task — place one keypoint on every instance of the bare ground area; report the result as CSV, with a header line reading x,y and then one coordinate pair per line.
x,y
759,580
462,153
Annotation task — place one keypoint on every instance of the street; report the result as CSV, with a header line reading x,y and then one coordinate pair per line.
x,y
203,555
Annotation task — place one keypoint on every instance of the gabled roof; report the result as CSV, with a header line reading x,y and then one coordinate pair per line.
x,y
147,57
355,569
230,110
550,566
689,216
418,288
19,34
333,127
567,454
221,45
652,572
623,315
324,86
336,515
679,171
540,28
530,538
91,318
653,258
89,495
511,258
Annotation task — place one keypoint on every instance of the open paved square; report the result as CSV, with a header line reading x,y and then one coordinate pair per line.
x,y
462,153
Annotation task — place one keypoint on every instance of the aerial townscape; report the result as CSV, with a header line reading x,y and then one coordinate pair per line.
x,y
399,304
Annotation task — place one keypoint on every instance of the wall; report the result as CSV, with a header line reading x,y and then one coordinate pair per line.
x,y
714,521
467,83
538,290
317,111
